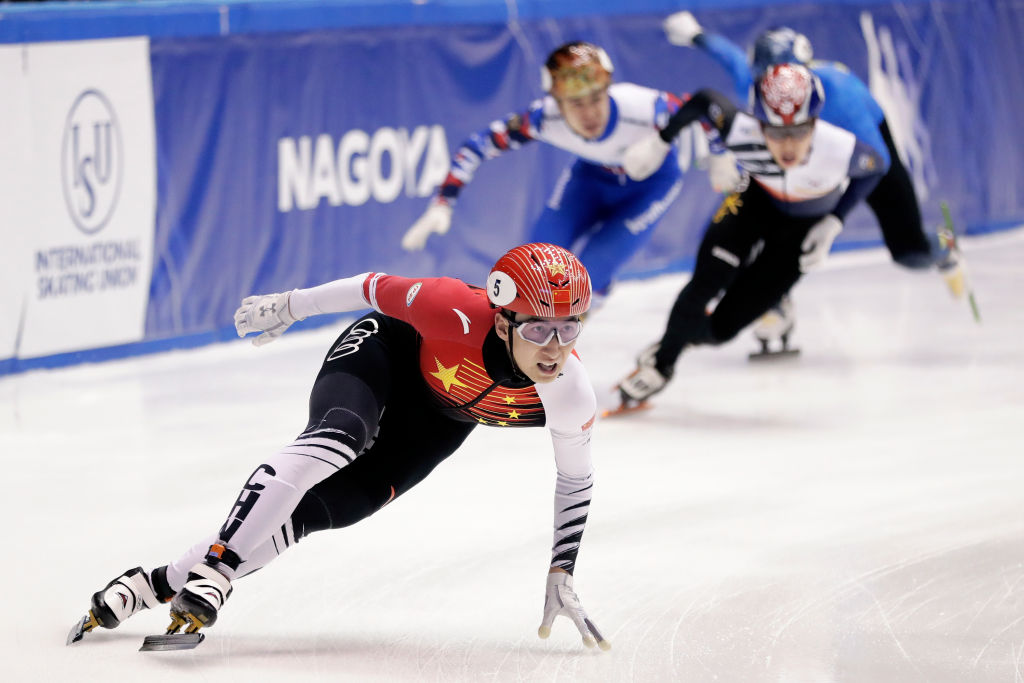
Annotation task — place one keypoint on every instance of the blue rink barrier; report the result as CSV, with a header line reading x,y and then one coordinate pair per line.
x,y
297,140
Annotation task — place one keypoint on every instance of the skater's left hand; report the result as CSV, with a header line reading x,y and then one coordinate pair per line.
x,y
818,242
561,599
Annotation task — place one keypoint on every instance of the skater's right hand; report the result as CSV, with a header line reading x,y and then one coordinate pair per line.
x,y
681,28
437,218
268,313
645,156
560,598
724,174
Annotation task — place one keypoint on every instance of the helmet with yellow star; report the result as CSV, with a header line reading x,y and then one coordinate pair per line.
x,y
576,69
542,280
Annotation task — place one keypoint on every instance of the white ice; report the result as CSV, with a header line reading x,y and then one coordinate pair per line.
x,y
855,514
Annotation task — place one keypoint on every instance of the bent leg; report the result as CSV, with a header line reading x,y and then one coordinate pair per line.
x,y
895,205
414,438
729,238
354,384
760,285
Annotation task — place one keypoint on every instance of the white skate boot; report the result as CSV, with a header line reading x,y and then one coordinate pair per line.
x,y
638,386
773,329
125,596
950,264
197,603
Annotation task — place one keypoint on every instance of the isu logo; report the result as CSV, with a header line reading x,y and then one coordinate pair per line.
x,y
91,161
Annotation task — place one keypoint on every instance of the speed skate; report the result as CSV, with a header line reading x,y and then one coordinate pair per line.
x,y
766,352
772,331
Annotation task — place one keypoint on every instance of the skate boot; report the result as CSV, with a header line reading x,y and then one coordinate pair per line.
x,y
125,596
197,603
638,386
950,264
772,331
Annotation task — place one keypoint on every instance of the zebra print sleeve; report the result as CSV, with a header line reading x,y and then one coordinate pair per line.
x,y
572,503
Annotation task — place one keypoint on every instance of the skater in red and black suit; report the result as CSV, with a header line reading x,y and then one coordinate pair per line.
x,y
399,392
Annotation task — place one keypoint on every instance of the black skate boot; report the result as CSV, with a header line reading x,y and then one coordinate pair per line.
x,y
125,596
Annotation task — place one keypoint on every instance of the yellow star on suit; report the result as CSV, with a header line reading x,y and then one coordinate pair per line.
x,y
447,376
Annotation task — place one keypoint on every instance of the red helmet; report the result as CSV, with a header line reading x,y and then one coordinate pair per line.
x,y
539,279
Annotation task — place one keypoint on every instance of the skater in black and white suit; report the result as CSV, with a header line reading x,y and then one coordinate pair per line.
x,y
803,177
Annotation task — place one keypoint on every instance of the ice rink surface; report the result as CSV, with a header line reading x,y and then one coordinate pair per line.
x,y
855,514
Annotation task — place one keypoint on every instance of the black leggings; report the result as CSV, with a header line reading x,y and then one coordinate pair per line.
x,y
749,283
894,204
370,389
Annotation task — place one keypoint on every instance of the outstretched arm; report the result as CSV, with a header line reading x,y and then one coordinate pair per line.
x,y
272,314
683,29
500,137
570,405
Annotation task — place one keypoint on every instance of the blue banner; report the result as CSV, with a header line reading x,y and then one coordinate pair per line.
x,y
291,159
296,146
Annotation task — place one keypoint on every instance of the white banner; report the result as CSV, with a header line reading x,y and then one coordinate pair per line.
x,y
16,226
88,194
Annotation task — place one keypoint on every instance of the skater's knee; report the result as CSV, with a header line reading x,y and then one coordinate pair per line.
x,y
340,427
719,331
915,260
343,409
320,510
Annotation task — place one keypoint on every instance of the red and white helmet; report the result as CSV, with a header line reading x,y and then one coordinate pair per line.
x,y
541,280
788,95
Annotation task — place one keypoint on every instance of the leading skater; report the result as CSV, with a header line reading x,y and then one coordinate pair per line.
x,y
594,208
399,392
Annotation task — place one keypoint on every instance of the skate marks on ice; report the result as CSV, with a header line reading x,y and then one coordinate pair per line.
x,y
850,516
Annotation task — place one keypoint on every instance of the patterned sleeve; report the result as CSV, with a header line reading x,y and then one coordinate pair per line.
x,y
500,137
570,405
666,105
705,105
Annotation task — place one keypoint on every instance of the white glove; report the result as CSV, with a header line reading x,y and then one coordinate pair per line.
x,y
561,599
724,174
681,28
818,241
268,313
437,218
645,156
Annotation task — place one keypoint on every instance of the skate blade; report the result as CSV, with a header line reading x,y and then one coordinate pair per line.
x,y
760,356
81,627
171,641
626,409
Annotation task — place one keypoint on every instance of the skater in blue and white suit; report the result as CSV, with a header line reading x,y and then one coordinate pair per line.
x,y
587,115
